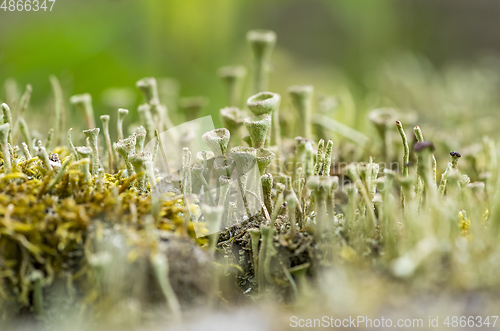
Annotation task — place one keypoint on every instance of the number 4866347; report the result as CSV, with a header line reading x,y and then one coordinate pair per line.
x,y
27,5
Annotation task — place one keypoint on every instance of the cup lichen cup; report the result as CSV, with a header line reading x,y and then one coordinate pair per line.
x,y
224,166
119,123
245,159
138,161
197,169
140,137
268,103
107,138
146,119
192,106
302,96
262,44
233,78
84,154
148,88
264,158
217,140
125,147
381,119
257,127
263,103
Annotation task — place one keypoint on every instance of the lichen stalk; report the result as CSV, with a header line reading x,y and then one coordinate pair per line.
x,y
267,187
333,183
4,145
451,166
7,119
232,119
233,78
105,127
328,158
406,149
197,169
255,241
262,44
83,102
25,99
119,123
302,97
192,106
224,187
71,146
291,201
186,171
258,127
60,174
59,114
424,168
25,132
146,119
93,137
42,154
26,150
138,161
125,147
149,89
84,154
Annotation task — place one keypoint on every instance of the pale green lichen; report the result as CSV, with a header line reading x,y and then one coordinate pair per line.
x,y
107,138
119,123
264,158
4,141
232,119
125,147
217,140
56,218
83,102
192,106
138,161
233,78
262,44
302,97
258,127
93,136
7,119
268,103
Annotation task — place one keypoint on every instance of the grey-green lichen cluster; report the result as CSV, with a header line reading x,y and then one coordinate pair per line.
x,y
84,215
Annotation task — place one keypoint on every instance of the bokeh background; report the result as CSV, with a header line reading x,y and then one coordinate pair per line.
x,y
437,59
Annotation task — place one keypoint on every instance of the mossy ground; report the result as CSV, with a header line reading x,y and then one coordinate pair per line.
x,y
371,230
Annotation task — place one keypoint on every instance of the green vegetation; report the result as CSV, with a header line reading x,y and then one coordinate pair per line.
x,y
83,233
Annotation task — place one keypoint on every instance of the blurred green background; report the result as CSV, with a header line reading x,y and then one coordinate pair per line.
x,y
434,58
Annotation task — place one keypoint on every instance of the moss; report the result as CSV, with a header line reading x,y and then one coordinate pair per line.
x,y
46,221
